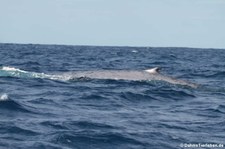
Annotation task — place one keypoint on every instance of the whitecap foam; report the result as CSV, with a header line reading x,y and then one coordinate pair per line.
x,y
134,51
15,72
12,69
4,97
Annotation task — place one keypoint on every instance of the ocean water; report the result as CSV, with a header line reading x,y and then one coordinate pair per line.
x,y
38,110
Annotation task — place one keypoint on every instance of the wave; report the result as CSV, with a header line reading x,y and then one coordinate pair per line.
x,y
218,75
78,139
8,104
207,74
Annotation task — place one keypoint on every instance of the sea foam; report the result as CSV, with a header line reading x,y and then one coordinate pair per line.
x,y
4,97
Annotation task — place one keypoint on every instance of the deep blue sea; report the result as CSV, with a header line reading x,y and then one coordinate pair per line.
x,y
38,112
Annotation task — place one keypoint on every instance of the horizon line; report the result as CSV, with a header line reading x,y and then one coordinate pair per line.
x,y
87,45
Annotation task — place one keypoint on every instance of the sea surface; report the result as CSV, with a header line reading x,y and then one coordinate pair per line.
x,y
38,110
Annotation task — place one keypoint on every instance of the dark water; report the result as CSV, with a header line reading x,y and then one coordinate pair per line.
x,y
38,112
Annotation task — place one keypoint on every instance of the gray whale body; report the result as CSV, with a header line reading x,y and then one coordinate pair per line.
x,y
145,75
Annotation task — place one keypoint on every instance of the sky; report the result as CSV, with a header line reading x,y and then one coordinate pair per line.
x,y
154,23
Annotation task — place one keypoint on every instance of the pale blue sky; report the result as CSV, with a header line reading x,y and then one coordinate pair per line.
x,y
179,23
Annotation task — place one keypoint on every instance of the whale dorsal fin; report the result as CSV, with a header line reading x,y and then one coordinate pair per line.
x,y
153,70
